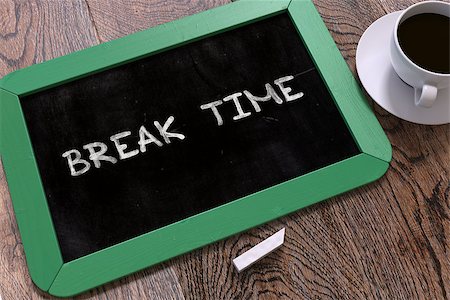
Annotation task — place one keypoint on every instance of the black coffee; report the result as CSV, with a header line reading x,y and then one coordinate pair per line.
x,y
425,39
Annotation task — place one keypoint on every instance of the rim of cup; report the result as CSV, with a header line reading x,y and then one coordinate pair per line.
x,y
397,44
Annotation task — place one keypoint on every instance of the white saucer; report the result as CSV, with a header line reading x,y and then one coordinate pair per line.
x,y
375,71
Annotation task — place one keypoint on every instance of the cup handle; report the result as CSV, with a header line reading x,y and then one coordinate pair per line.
x,y
425,96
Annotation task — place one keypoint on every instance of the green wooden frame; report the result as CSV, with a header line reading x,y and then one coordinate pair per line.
x,y
30,205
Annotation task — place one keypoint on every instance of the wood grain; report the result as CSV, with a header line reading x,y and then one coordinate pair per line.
x,y
36,31
386,240
31,32
116,18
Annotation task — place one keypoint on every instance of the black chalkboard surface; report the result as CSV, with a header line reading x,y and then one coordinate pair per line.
x,y
214,163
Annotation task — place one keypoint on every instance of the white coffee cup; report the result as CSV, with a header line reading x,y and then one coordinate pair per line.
x,y
425,83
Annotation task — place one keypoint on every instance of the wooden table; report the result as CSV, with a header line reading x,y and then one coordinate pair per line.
x,y
387,240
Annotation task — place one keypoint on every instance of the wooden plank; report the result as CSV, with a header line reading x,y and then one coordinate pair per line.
x,y
387,240
32,32
414,194
117,18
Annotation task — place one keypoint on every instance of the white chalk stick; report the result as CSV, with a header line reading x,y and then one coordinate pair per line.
x,y
251,256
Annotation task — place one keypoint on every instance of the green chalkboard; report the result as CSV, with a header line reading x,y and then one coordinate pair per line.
x,y
129,153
